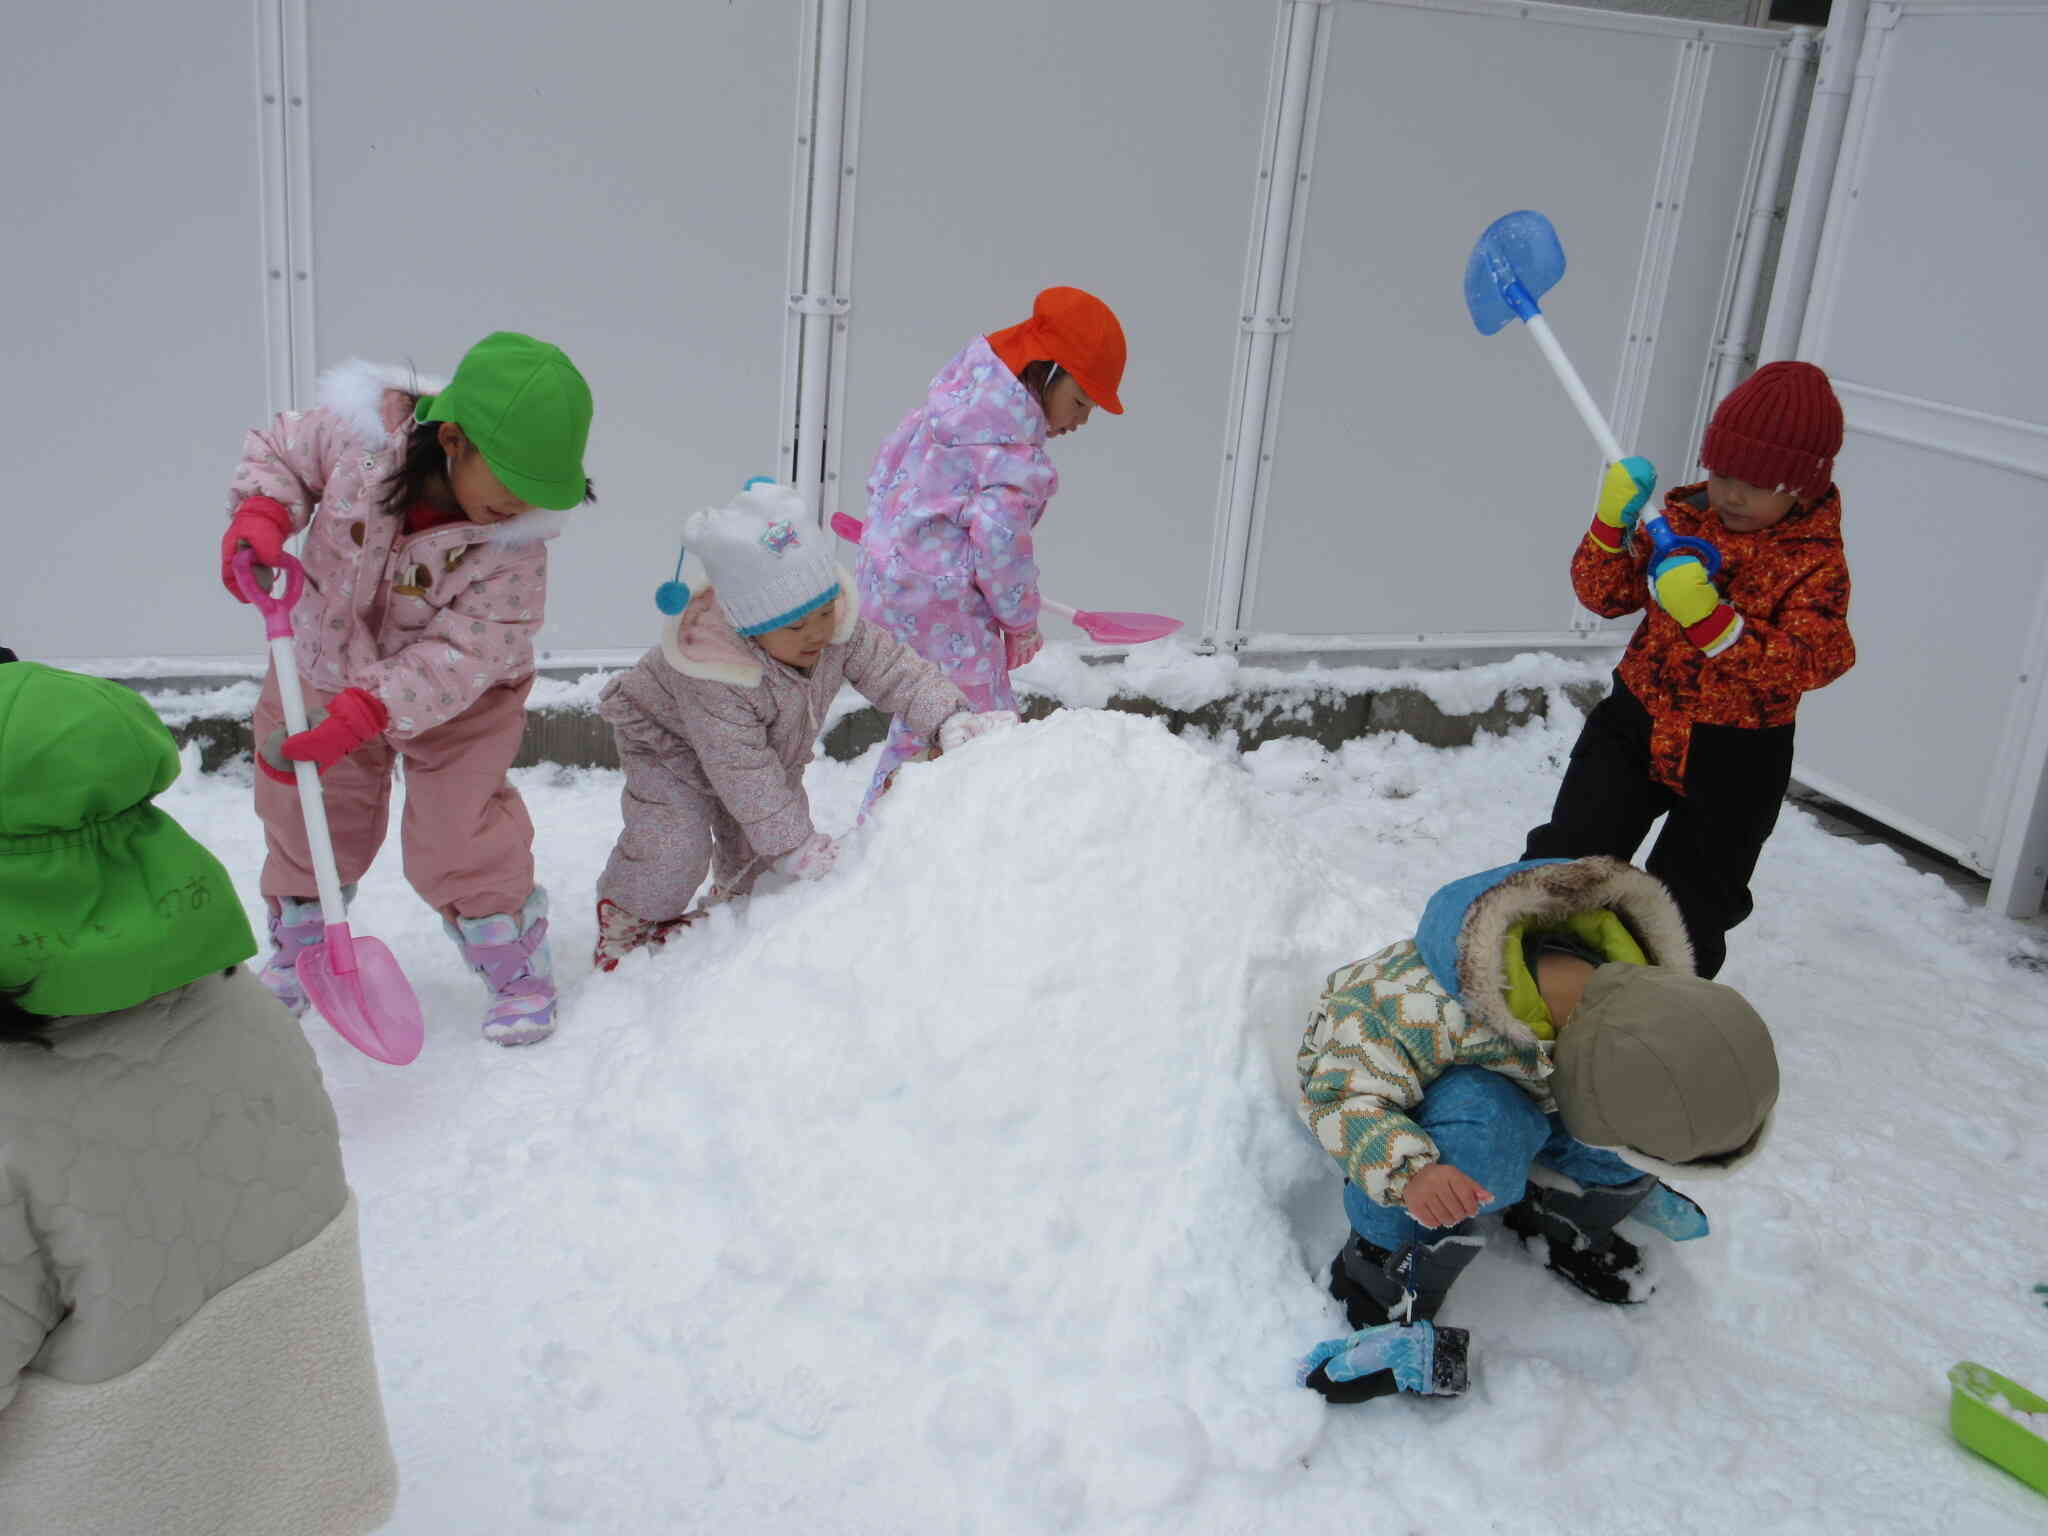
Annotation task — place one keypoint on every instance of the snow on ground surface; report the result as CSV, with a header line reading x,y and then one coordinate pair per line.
x,y
962,1191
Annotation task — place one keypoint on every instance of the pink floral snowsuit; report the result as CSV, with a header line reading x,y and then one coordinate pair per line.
x,y
438,624
945,561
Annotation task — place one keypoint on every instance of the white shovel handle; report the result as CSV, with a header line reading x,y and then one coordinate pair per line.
x,y
1567,375
311,804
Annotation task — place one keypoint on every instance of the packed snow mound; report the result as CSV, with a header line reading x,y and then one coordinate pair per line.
x,y
939,1145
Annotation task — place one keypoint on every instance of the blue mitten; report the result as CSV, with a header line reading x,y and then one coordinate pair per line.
x,y
1375,1362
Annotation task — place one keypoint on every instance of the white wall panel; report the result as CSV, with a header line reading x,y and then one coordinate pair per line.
x,y
1923,313
1109,146
134,310
613,177
1431,480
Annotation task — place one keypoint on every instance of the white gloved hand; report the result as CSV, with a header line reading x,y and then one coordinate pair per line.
x,y
957,730
811,858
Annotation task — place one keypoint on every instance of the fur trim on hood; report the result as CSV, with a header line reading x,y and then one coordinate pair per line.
x,y
376,400
362,394
1552,891
701,642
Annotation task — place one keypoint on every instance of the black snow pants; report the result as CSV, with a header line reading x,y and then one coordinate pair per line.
x,y
1735,782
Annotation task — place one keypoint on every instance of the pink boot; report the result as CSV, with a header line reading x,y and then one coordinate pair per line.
x,y
294,925
511,954
619,933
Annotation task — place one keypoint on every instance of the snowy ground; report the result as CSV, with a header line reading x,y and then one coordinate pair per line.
x,y
962,1192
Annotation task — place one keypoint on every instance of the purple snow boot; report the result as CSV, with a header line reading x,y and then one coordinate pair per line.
x,y
511,954
293,927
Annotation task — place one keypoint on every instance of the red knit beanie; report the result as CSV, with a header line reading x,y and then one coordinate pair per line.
x,y
1779,429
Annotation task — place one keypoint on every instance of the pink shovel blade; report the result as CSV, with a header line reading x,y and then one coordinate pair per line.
x,y
367,998
1126,628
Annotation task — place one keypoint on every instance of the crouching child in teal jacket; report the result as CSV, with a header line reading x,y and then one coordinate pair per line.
x,y
1537,1055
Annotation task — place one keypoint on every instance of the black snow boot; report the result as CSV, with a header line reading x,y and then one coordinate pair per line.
x,y
1577,1231
1366,1278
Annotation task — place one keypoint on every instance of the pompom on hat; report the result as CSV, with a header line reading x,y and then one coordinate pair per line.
x,y
1076,330
1779,429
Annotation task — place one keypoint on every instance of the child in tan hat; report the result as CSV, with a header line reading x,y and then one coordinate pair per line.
x,y
1536,1054
1699,723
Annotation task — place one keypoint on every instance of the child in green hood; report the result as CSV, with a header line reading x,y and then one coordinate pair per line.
x,y
184,1346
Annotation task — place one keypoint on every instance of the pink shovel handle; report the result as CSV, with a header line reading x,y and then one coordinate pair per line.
x,y
276,611
341,949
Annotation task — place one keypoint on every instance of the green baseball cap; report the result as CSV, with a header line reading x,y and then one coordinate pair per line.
x,y
527,409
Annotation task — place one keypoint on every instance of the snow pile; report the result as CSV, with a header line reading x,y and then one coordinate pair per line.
x,y
972,1153
962,1191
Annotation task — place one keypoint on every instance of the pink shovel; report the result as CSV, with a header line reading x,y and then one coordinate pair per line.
x,y
355,983
1103,628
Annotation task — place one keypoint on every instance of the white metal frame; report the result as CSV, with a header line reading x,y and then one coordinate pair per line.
x,y
1813,187
1736,348
821,249
1301,51
1298,76
2011,842
285,164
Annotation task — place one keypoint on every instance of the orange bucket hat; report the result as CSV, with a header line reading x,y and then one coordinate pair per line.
x,y
1075,330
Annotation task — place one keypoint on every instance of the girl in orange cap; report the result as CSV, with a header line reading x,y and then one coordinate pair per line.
x,y
945,560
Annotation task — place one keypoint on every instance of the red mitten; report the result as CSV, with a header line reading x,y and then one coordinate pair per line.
x,y
263,524
353,719
1019,646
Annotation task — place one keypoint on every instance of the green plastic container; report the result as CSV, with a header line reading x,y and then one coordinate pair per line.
x,y
1990,1433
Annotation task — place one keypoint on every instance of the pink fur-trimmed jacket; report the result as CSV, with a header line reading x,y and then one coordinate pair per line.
x,y
730,720
426,621
946,561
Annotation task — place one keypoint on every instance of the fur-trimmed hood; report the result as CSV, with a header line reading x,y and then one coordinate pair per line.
x,y
1463,933
376,400
700,641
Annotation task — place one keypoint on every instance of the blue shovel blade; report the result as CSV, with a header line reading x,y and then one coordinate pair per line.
x,y
1517,260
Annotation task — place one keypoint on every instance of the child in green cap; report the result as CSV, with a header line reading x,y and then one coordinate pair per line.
x,y
426,508
184,1344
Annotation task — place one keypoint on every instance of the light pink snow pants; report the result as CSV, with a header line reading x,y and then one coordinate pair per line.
x,y
467,839
674,834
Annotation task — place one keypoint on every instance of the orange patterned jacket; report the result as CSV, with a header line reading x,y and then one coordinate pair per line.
x,y
1790,582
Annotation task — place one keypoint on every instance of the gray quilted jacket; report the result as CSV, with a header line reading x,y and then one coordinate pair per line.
x,y
184,1345
730,720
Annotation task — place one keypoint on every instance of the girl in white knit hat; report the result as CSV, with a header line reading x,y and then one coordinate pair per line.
x,y
715,724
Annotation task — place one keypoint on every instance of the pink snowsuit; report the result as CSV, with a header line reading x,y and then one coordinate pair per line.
x,y
945,560
713,733
439,625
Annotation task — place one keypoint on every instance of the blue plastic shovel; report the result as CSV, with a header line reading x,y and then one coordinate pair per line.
x,y
1517,260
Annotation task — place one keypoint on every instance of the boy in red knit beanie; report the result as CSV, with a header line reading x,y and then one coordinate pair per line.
x,y
1699,725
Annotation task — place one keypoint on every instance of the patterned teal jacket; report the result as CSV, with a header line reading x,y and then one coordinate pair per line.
x,y
1388,1026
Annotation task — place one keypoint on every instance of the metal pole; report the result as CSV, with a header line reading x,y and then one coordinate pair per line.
x,y
1734,346
1265,324
1813,186
820,250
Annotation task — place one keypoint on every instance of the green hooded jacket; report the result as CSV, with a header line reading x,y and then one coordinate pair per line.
x,y
105,901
